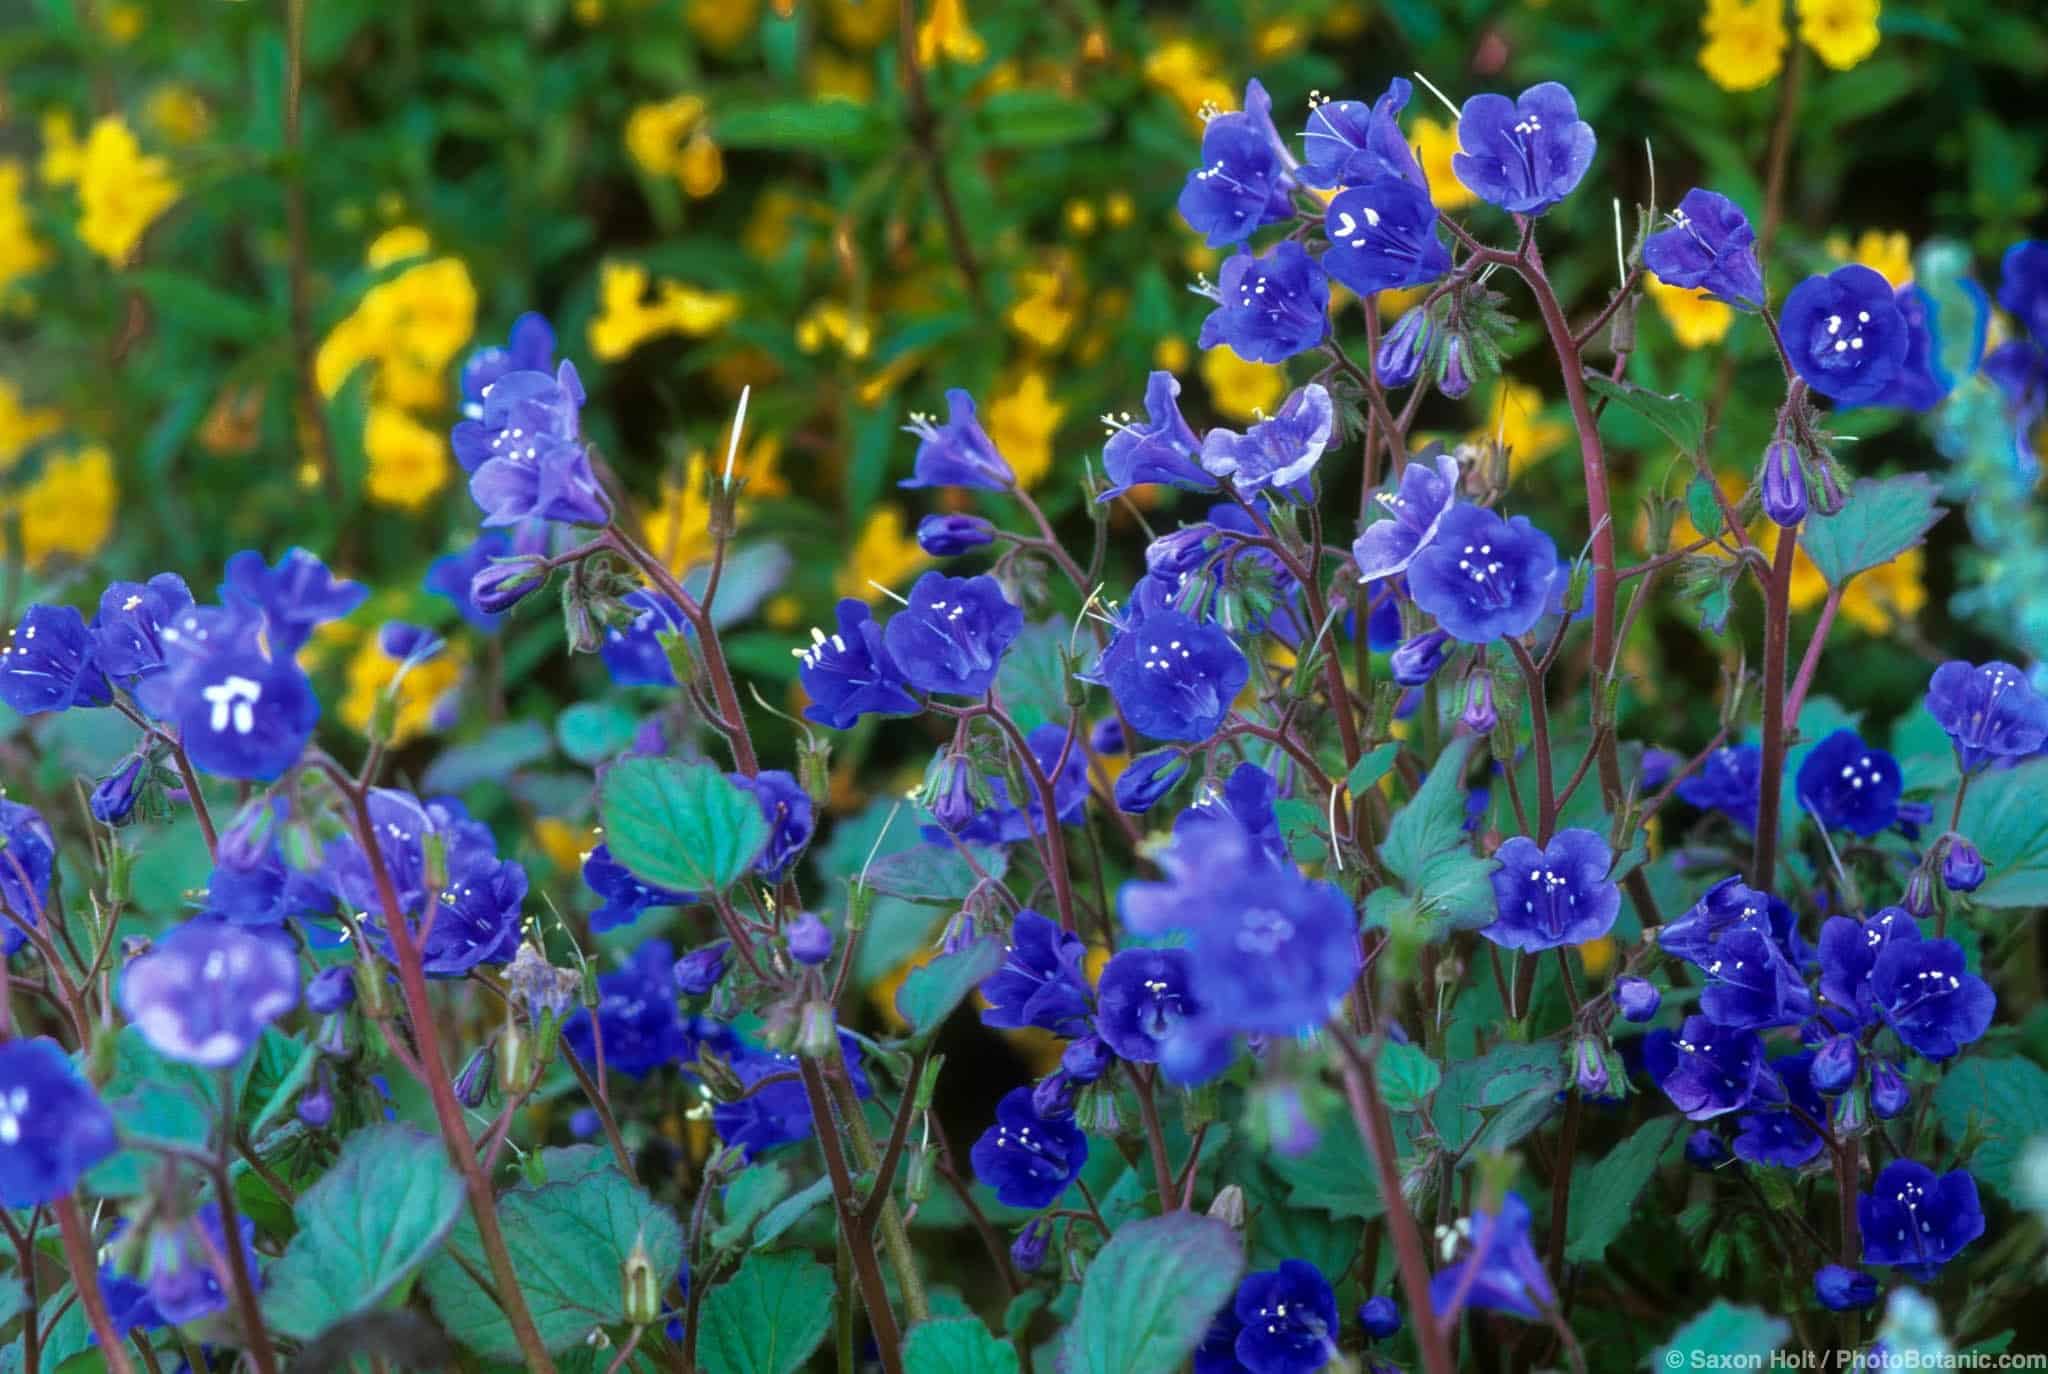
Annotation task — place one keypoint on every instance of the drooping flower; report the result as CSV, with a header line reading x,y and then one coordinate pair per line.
x,y
1349,143
1173,678
958,453
1404,349
852,674
1243,182
454,575
1142,998
1276,454
702,969
1706,1070
1843,1290
1483,577
204,994
948,536
1383,237
1065,766
1845,335
291,598
1523,155
1727,782
1149,778
1163,450
1419,658
1288,1320
787,809
1270,307
1041,982
625,896
49,663
1889,1093
775,1110
1028,1159
1772,1133
1990,710
1416,509
1559,894
1917,1221
1709,245
951,637
1507,1276
1962,867
1849,785
809,939
178,1265
1637,998
53,1126
1926,993
1784,484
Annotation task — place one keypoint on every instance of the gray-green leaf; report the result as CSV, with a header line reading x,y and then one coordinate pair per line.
x,y
1150,1293
1879,521
767,1318
684,827
956,1345
2007,1101
930,992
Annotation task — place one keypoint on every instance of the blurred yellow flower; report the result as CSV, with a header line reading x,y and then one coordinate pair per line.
x,y
835,76
721,25
671,138
396,244
1875,602
1514,416
947,32
63,154
1434,143
1889,253
120,191
1119,209
122,22
1171,354
408,461
626,318
1081,217
22,254
883,553
1190,75
1696,321
861,23
410,326
1240,390
1278,38
67,509
1746,42
178,113
1843,32
566,845
422,693
830,322
20,426
1021,423
678,529
1047,303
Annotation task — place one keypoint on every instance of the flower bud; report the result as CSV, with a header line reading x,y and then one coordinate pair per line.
x,y
1919,898
316,1104
1589,1066
699,971
1148,778
1279,1119
1456,379
473,1080
1182,551
1705,1150
949,793
246,840
1053,1096
1889,1092
810,939
507,582
1403,349
518,1059
584,1123
1480,714
1962,868
1228,1206
1095,1109
1027,1251
640,1287
1637,998
1087,1059
1418,659
331,990
716,1071
1379,1317
814,768
1784,484
1106,736
372,991
1835,1064
1851,1114
943,536
114,796
817,1031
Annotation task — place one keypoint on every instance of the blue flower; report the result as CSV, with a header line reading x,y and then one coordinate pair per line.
x,y
636,1011
1004,823
2023,286
1844,334
625,896
331,990
1142,998
1028,1159
950,638
1706,1070
1404,349
530,348
1027,1251
1751,985
851,674
1913,1220
290,599
241,705
1784,484
1483,577
453,576
1149,778
775,1113
1415,661
1843,1290
1288,1320
1276,453
1550,895
1270,307
2019,369
1523,155
501,586
178,1265
1380,1317
1889,1093
1383,237
53,1126
947,536
1989,710
702,969
129,626
475,914
1919,385
1041,982
1962,867
1849,950
959,453
1705,1150
1928,996
787,809
1348,143
1637,998
1173,678
1727,782
1775,1136
1416,511
1709,245
204,994
524,452
809,939
1850,785
1506,1274
49,663
1242,184
1836,1064
1160,451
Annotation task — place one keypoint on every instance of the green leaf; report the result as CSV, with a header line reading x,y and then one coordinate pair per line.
x,y
1433,820
956,1345
931,991
371,1220
1030,117
1150,1293
1680,419
501,751
592,731
768,1318
2006,1101
936,875
760,1186
789,1212
567,1241
1879,521
152,1098
1702,508
822,128
1504,1094
1033,678
682,827
13,1297
2006,816
1407,1076
1371,767
189,303
1604,1194
1335,1176
1736,1338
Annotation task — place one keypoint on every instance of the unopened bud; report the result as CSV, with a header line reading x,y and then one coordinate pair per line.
x,y
1228,1206
473,1081
639,1287
817,1034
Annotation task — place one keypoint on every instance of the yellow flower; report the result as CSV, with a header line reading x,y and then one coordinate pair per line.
x,y
678,529
69,507
1119,209
1695,320
422,692
626,318
1279,38
408,461
1434,143
63,154
178,113
1081,217
829,322
1888,253
1189,74
22,254
122,22
671,139
120,191
1021,424
565,845
837,77
21,427
1171,354
1514,415
721,25
1240,390
396,244
861,23
1047,303
883,553
1875,601
411,326
1745,43
946,31
1843,32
